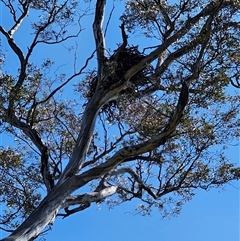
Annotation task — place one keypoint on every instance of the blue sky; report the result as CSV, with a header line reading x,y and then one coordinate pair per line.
x,y
212,215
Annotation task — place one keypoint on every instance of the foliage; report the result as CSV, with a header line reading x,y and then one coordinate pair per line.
x,y
147,121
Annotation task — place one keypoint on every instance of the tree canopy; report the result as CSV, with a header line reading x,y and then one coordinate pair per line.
x,y
148,121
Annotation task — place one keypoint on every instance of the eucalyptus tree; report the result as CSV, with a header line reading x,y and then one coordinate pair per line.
x,y
147,121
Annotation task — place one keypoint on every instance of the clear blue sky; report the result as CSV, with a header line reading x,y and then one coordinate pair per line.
x,y
212,215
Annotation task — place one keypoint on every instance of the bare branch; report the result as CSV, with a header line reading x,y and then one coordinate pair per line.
x,y
107,151
66,82
18,21
13,45
123,45
109,19
84,201
99,36
136,177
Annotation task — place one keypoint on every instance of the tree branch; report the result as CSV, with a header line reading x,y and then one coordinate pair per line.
x,y
84,201
18,21
208,10
34,137
13,45
99,36
135,176
143,147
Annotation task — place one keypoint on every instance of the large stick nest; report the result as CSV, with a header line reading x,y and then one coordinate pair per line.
x,y
126,59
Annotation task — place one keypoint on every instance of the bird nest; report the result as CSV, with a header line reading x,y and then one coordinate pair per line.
x,y
126,59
